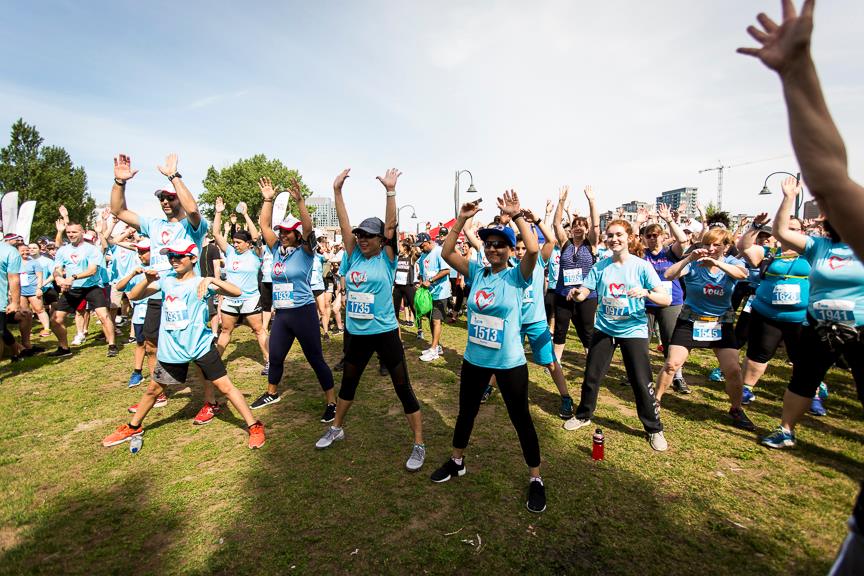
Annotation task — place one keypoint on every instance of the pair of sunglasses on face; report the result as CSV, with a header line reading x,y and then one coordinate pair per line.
x,y
364,235
496,244
172,256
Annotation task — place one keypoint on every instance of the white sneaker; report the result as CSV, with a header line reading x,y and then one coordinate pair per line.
x,y
429,355
331,435
658,441
79,339
439,350
418,456
576,423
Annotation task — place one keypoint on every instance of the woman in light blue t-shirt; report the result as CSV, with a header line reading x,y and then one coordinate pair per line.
x,y
623,282
494,345
370,249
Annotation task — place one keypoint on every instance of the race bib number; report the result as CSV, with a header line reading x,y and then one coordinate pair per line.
x,y
283,295
402,277
748,306
835,311
486,331
615,308
573,277
707,331
667,286
360,305
161,263
176,313
786,295
26,279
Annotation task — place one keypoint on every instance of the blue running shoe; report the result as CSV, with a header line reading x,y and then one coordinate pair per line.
x,y
716,375
747,397
779,438
135,379
816,407
822,392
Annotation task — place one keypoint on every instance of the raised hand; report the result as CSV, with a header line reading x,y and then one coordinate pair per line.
x,y
529,216
761,219
641,216
105,214
549,207
589,193
389,179
242,208
509,204
562,193
219,205
791,187
469,209
64,213
295,190
170,167
233,218
60,224
785,44
266,187
340,180
151,275
664,212
123,168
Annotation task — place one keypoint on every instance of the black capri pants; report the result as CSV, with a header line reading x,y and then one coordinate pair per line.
x,y
637,363
580,313
513,384
358,351
301,324
765,334
663,320
806,376
403,293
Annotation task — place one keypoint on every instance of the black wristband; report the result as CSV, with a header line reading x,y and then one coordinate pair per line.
x,y
119,182
757,226
175,175
517,216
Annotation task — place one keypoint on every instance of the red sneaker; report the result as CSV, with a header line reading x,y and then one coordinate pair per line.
x,y
122,434
256,435
161,402
206,414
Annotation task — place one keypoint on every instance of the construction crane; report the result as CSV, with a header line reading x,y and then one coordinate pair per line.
x,y
720,168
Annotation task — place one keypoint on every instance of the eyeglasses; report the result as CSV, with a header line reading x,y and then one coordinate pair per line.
x,y
498,244
169,197
652,235
172,256
364,235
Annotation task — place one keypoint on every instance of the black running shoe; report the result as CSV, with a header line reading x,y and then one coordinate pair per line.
x,y
486,394
536,496
448,470
60,352
339,365
265,399
329,413
112,350
680,386
33,350
740,420
566,410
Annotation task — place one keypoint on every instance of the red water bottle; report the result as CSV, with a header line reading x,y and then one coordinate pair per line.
x,y
597,449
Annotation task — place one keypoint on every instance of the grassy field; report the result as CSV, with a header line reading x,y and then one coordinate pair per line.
x,y
196,500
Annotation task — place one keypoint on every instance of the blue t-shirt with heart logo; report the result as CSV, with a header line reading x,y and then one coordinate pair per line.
x,y
618,315
495,317
709,294
369,293
836,282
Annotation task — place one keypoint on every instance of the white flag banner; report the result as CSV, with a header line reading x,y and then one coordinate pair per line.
x,y
9,212
280,207
25,219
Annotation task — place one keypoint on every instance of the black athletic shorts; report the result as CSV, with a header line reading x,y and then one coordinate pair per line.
x,y
266,301
152,320
439,309
211,366
94,296
317,293
49,297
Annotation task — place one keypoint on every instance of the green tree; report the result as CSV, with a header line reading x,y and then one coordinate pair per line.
x,y
45,174
239,183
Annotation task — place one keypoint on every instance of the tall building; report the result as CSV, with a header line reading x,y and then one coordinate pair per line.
x,y
324,215
681,199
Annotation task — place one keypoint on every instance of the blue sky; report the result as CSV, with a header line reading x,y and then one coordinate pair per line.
x,y
632,97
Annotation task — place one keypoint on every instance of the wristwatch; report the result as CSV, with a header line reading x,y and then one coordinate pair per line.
x,y
175,175
74,277
119,182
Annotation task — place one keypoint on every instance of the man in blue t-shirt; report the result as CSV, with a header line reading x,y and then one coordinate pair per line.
x,y
434,276
10,284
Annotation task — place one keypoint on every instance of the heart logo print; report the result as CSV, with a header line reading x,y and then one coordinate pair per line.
x,y
835,262
170,298
278,268
357,278
74,257
617,290
165,236
484,299
235,265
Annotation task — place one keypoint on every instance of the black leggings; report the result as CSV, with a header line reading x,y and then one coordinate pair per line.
x,y
458,295
638,366
300,323
580,313
389,348
764,337
663,320
403,293
807,375
513,384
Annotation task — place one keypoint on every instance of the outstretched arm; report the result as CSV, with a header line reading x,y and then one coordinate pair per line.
x,y
250,224
218,208
509,205
342,212
123,172
187,200
305,219
265,219
448,249
795,240
747,243
593,218
389,182
818,145
560,233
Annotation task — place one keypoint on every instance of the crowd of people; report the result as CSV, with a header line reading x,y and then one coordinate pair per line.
x,y
184,285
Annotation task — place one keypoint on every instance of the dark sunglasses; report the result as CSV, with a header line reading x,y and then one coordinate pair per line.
x,y
169,197
496,244
364,235
173,256
652,235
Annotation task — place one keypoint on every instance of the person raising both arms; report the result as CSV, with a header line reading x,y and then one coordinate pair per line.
x,y
494,345
184,337
706,318
295,315
623,283
371,269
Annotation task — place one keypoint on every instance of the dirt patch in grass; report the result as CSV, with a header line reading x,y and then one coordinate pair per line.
x,y
10,537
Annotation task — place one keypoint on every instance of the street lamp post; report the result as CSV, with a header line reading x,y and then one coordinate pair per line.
x,y
765,191
471,190
399,213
